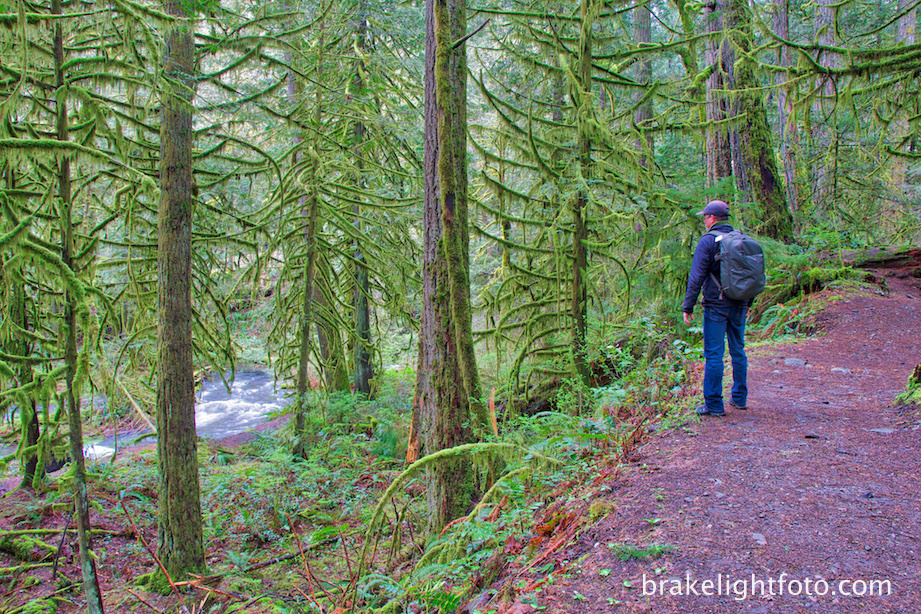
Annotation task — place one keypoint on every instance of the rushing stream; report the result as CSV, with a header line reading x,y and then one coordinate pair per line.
x,y
252,396
218,413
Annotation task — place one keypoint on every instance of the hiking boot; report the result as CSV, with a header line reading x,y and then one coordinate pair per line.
x,y
703,411
735,405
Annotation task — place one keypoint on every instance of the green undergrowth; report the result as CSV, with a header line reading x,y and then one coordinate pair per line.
x,y
801,282
588,431
292,534
259,503
796,316
626,552
645,376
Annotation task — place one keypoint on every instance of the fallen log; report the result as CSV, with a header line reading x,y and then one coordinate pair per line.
x,y
26,548
881,258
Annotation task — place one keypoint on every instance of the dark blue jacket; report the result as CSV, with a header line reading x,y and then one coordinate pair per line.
x,y
704,267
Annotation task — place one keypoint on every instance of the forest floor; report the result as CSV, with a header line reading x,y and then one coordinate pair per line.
x,y
812,490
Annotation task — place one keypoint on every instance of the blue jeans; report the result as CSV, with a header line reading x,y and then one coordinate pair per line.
x,y
722,324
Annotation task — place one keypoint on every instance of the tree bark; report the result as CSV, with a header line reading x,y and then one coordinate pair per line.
x,y
180,548
907,27
582,103
18,344
824,132
329,340
789,132
451,112
32,469
719,58
364,369
447,383
906,34
642,117
73,303
754,163
883,258
311,214
71,357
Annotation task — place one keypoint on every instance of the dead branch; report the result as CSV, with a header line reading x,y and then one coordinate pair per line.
x,y
289,556
142,600
154,555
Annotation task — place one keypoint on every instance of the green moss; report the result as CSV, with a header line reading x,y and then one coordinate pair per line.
x,y
40,606
601,508
795,283
912,394
26,548
156,582
265,604
625,552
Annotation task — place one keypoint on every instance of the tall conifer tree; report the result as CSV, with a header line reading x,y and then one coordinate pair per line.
x,y
448,394
181,544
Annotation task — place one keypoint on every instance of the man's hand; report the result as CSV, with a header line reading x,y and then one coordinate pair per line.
x,y
687,318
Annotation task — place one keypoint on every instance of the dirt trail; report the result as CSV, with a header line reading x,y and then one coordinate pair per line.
x,y
817,480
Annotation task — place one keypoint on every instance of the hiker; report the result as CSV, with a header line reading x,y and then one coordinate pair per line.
x,y
723,319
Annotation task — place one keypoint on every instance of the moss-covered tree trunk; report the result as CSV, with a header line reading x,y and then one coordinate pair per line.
x,y
364,370
451,113
824,131
447,382
786,111
32,470
719,58
317,309
73,303
18,345
906,34
181,546
72,398
754,163
582,103
15,342
311,215
642,117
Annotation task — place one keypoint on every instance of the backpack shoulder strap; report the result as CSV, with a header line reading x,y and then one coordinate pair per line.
x,y
718,235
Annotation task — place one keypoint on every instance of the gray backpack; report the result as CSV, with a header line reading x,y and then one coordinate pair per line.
x,y
741,265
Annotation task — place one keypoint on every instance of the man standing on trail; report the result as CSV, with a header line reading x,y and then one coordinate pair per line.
x,y
724,318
